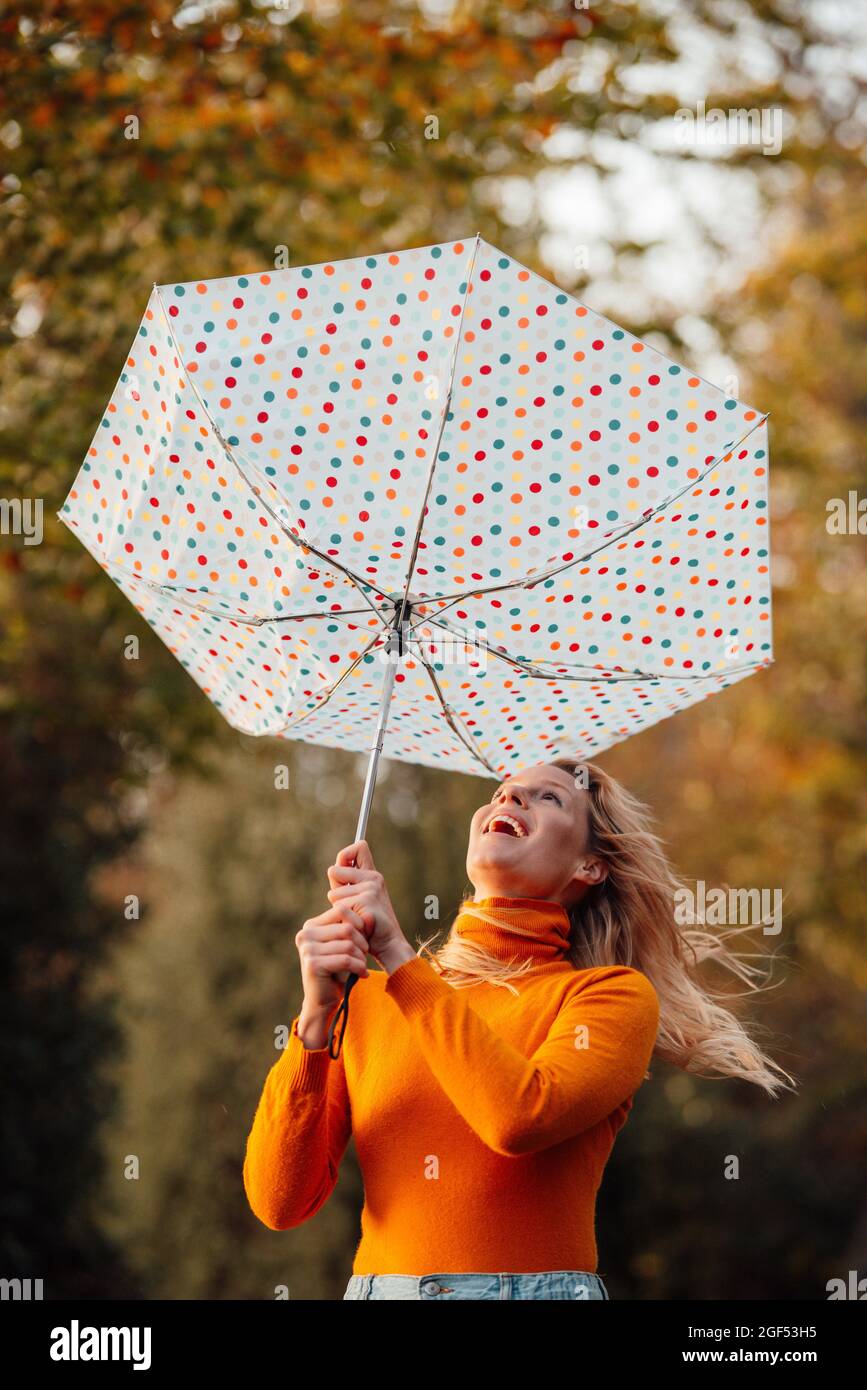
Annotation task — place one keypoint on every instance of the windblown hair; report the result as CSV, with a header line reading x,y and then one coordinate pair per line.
x,y
629,919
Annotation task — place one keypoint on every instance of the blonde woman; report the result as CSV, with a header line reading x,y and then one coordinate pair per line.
x,y
485,1081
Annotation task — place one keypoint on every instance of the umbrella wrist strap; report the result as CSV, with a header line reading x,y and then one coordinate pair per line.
x,y
335,1040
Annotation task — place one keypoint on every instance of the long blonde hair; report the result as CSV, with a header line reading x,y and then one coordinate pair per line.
x,y
629,919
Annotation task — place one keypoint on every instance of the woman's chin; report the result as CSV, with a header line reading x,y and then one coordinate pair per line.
x,y
498,849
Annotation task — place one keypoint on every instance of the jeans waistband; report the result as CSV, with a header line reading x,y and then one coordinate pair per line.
x,y
576,1285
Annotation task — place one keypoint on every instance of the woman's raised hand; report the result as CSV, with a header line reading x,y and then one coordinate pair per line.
x,y
362,887
360,922
330,946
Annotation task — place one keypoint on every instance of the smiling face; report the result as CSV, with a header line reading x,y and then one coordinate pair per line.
x,y
530,839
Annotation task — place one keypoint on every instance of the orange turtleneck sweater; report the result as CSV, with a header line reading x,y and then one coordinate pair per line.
x,y
482,1119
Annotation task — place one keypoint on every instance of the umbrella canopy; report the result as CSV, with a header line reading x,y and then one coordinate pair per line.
x,y
427,492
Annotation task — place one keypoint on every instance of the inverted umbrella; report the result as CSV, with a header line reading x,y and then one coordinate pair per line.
x,y
429,497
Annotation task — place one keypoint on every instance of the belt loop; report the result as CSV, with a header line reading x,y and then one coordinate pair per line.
x,y
505,1286
368,1285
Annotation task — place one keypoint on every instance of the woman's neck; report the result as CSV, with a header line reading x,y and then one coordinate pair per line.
x,y
516,928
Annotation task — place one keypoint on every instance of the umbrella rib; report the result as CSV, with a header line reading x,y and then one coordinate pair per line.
x,y
176,595
348,672
598,673
258,622
452,718
454,721
257,493
611,537
443,418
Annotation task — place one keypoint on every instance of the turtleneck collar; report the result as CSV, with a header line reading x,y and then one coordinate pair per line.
x,y
548,923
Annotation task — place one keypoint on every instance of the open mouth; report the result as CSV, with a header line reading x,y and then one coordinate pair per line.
x,y
505,825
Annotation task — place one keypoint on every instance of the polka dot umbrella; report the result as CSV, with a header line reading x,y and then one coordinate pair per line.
x,y
427,505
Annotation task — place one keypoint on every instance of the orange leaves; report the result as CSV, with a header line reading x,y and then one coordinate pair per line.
x,y
42,115
300,63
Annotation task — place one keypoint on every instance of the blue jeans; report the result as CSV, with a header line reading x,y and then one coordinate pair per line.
x,y
556,1283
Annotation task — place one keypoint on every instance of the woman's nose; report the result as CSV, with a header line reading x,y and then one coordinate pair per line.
x,y
513,795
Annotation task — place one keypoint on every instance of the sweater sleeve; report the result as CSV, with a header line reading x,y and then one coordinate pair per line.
x,y
594,1057
300,1132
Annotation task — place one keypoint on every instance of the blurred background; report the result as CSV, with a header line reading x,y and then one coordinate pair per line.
x,y
165,142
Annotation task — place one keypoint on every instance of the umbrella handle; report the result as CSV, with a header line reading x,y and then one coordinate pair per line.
x,y
351,981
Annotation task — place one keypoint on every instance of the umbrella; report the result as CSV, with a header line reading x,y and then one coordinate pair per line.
x,y
428,498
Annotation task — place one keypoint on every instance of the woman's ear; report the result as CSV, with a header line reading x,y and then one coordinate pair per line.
x,y
594,871
588,872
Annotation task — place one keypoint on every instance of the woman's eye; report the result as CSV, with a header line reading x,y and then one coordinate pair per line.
x,y
554,794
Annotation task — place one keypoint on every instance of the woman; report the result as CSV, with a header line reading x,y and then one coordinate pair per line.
x,y
484,1082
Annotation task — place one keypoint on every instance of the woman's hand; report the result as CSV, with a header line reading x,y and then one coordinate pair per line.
x,y
330,946
362,888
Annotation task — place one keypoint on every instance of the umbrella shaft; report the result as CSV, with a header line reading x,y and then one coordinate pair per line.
x,y
395,640
376,747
